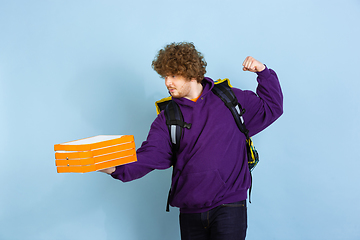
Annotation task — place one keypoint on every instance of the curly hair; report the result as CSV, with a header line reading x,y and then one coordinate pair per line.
x,y
180,59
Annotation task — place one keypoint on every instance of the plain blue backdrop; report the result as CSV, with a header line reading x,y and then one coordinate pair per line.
x,y
75,69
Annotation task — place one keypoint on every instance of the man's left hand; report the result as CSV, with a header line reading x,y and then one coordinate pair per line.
x,y
252,65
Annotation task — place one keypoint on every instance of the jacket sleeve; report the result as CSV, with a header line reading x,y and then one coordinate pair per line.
x,y
154,153
264,107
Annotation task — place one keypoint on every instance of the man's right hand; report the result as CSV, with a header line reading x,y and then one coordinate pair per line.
x,y
108,170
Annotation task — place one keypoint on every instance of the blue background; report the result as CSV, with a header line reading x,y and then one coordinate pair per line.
x,y
75,69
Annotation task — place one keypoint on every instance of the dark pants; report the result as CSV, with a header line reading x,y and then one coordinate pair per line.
x,y
225,222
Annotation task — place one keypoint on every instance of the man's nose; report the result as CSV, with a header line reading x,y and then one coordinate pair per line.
x,y
167,81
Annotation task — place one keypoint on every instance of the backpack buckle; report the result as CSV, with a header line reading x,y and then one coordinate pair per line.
x,y
187,125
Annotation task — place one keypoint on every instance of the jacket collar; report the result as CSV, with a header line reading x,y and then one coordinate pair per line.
x,y
207,83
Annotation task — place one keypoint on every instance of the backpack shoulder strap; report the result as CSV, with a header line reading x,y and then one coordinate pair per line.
x,y
175,123
222,89
174,119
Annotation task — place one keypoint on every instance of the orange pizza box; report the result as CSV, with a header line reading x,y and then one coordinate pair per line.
x,y
94,153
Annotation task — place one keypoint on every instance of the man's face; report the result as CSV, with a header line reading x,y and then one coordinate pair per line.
x,y
178,86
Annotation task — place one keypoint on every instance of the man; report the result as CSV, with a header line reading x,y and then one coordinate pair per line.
x,y
211,175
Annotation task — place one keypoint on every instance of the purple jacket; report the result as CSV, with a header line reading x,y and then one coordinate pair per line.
x,y
211,167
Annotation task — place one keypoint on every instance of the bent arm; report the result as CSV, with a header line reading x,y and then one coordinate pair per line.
x,y
264,107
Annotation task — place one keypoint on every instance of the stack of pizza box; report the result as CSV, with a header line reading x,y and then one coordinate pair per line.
x,y
94,153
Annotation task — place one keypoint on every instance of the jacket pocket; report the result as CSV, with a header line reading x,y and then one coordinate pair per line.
x,y
198,190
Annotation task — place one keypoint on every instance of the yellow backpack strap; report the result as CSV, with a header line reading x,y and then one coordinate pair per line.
x,y
161,104
223,80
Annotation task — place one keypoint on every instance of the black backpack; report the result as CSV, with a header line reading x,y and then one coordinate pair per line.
x,y
175,121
